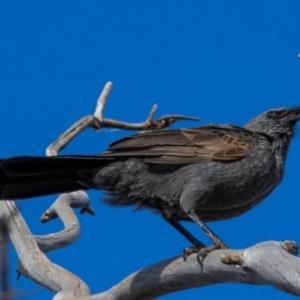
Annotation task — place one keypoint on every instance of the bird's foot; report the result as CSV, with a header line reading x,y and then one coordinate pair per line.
x,y
203,252
190,250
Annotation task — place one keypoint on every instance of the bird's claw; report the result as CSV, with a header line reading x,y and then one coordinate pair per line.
x,y
201,251
190,250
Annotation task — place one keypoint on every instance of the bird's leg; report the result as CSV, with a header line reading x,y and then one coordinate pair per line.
x,y
184,232
218,243
189,250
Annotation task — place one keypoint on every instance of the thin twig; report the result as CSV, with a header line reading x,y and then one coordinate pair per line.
x,y
161,123
152,112
102,101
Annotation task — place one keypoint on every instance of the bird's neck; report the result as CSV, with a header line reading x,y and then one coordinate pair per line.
x,y
280,148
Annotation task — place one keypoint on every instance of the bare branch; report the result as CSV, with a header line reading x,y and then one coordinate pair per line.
x,y
255,265
33,263
149,124
97,121
62,208
102,101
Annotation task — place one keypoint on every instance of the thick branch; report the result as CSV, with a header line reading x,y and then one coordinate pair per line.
x,y
34,263
255,265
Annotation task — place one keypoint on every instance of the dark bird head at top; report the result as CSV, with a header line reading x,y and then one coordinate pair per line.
x,y
276,122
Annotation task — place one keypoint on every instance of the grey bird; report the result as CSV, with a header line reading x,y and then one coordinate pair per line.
x,y
204,174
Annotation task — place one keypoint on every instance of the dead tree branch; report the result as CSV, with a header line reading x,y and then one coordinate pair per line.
x,y
33,262
97,121
254,265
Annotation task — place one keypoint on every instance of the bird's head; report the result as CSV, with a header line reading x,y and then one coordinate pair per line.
x,y
276,122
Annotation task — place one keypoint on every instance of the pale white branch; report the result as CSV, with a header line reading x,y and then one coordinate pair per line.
x,y
62,208
102,101
33,263
97,121
265,263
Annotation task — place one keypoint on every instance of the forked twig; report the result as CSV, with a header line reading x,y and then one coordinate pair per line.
x,y
97,121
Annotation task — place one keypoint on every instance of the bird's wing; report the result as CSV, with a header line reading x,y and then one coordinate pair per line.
x,y
186,146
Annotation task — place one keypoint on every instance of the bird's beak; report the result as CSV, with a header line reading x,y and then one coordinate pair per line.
x,y
290,116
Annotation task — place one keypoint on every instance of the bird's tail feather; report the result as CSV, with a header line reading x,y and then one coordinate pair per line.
x,y
26,177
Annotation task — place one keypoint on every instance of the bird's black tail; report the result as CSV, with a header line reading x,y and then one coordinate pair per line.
x,y
26,177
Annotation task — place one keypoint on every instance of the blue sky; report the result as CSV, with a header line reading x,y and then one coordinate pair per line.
x,y
224,62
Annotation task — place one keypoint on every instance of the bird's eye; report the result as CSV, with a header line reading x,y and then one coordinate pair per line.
x,y
271,115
